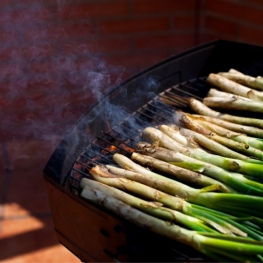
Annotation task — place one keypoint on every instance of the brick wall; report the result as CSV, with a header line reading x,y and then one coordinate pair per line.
x,y
237,20
58,57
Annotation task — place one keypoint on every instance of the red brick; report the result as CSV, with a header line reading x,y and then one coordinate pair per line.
x,y
245,14
253,2
45,66
133,26
42,83
184,22
12,87
63,64
223,26
28,52
139,60
207,37
6,2
9,35
251,35
99,46
164,42
30,87
93,10
167,6
58,32
29,15
36,3
10,70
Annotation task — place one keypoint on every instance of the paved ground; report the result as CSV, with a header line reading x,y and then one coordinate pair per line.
x,y
26,227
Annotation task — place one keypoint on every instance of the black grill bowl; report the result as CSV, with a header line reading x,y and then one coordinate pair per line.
x,y
91,233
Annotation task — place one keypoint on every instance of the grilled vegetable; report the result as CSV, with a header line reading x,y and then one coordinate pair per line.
x,y
248,130
256,83
231,140
222,222
202,109
153,208
222,215
233,104
181,174
255,170
217,246
167,142
233,87
225,132
216,93
234,180
218,201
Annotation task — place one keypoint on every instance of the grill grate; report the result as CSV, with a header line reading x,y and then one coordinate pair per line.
x,y
122,138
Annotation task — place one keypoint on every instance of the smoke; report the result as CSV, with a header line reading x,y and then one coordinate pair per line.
x,y
52,71
49,73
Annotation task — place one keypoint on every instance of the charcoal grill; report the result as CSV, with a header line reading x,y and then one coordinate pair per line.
x,y
114,125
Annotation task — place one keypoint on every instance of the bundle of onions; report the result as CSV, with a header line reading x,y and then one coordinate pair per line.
x,y
219,247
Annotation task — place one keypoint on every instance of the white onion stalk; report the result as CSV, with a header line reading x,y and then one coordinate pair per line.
x,y
233,87
249,130
230,139
234,180
170,169
216,93
222,222
200,108
167,142
233,104
218,201
216,246
152,208
256,83
181,174
223,131
245,167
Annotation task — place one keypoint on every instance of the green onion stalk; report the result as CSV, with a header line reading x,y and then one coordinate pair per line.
x,y
153,208
192,177
234,104
167,142
157,158
200,108
211,217
232,140
216,93
249,205
174,133
217,246
222,131
230,86
254,170
243,129
253,82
